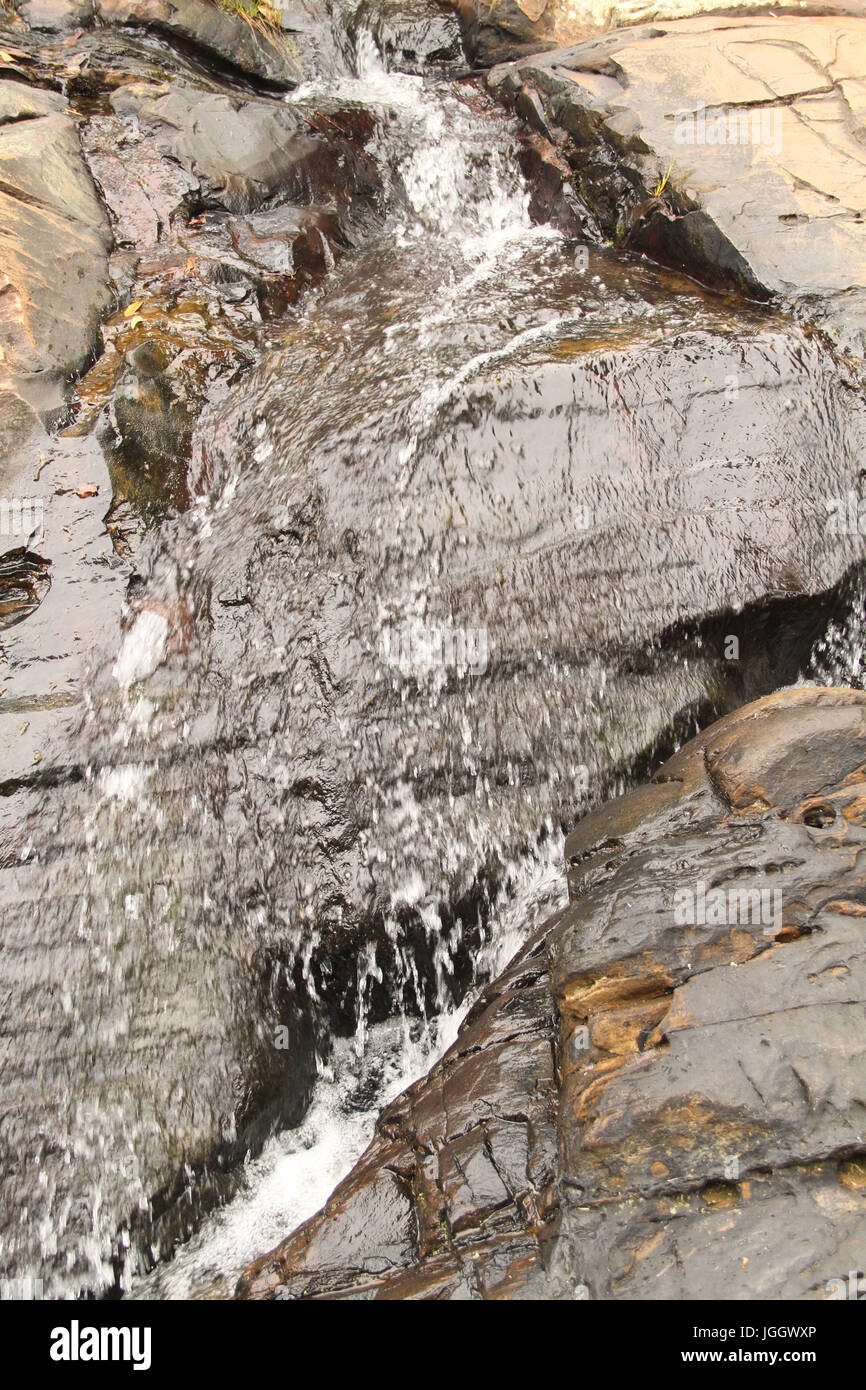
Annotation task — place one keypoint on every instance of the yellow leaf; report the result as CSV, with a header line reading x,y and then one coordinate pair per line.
x,y
136,321
131,308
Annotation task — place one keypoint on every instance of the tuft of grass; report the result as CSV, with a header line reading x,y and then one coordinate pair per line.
x,y
265,21
662,183
260,15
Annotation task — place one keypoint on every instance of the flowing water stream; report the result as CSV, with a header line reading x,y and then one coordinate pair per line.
x,y
453,183
412,624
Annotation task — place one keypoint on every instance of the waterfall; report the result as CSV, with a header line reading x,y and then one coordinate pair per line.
x,y
411,625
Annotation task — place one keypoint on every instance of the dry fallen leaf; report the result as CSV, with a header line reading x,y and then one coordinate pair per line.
x,y
37,757
88,490
131,308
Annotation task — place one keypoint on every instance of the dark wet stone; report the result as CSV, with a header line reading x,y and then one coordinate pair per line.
x,y
472,1148
149,432
506,30
24,581
695,1137
412,35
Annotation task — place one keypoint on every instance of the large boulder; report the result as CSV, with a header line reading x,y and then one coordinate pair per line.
x,y
663,1096
729,147
233,829
283,57
243,152
277,49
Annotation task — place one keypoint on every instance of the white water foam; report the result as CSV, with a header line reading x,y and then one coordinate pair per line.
x,y
839,657
298,1169
462,182
142,649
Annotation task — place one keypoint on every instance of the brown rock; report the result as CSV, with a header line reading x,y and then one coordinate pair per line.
x,y
54,238
650,1101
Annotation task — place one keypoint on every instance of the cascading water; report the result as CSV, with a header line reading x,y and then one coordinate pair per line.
x,y
364,682
466,192
299,1168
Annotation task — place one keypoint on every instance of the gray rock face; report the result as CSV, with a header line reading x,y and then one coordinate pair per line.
x,y
276,55
54,238
243,152
224,829
701,1133
197,289
263,780
730,147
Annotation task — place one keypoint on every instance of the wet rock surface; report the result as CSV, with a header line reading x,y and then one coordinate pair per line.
x,y
730,147
650,1101
348,397
504,31
131,166
414,36
187,232
453,1195
279,57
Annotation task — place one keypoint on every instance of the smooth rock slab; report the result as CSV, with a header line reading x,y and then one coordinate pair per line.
x,y
509,29
692,1093
54,238
757,124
